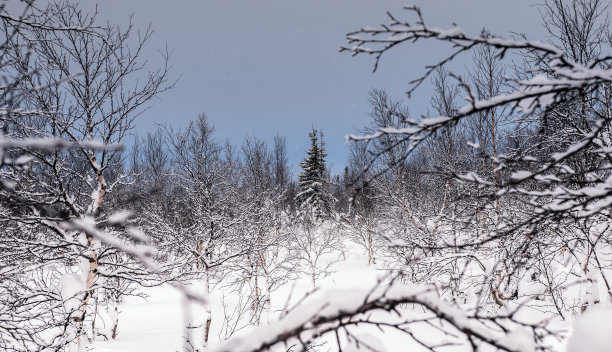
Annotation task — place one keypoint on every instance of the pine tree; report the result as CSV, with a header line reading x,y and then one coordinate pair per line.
x,y
313,183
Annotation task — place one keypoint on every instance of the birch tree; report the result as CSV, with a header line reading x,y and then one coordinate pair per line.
x,y
548,199
88,101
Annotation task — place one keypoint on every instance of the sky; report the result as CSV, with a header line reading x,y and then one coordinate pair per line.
x,y
267,67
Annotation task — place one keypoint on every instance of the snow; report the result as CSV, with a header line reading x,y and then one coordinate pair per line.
x,y
571,150
100,146
41,144
521,339
143,253
365,343
23,159
155,324
449,33
520,175
70,287
119,218
152,325
592,331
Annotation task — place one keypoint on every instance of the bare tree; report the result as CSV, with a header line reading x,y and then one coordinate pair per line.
x,y
550,207
86,101
196,224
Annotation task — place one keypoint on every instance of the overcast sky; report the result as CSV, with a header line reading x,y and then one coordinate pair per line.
x,y
266,67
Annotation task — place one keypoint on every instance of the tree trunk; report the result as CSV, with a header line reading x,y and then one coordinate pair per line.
x,y
91,277
208,310
93,260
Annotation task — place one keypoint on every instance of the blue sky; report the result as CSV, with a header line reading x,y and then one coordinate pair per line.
x,y
267,67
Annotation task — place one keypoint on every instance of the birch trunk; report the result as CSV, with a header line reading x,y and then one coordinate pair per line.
x,y
97,198
208,312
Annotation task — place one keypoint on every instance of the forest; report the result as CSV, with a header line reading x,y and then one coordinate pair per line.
x,y
481,226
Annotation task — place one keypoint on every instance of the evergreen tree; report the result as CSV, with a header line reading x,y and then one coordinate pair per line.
x,y
313,183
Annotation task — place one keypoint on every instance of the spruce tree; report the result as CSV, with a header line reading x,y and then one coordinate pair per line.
x,y
313,193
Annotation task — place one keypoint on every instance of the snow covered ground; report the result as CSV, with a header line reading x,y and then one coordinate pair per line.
x,y
156,324
151,325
